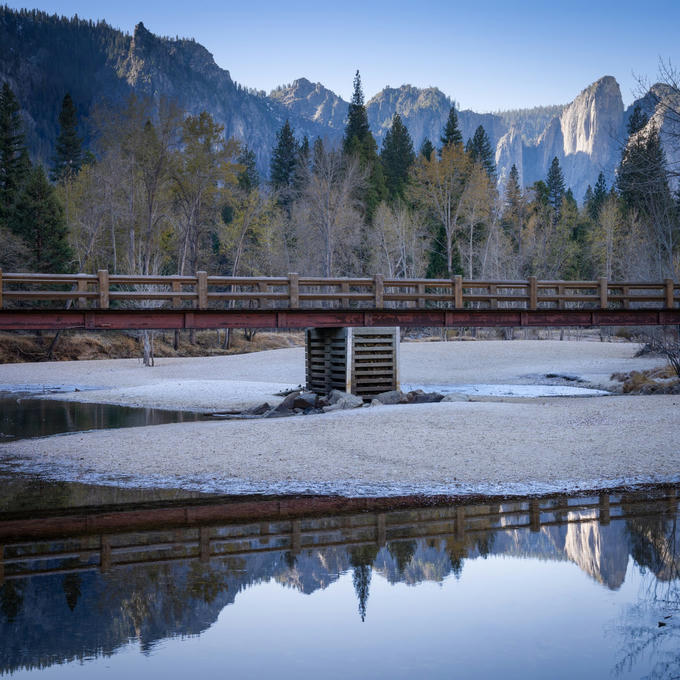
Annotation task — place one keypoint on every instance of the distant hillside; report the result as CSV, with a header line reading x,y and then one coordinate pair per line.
x,y
43,57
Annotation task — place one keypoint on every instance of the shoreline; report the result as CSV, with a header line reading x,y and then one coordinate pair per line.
x,y
508,446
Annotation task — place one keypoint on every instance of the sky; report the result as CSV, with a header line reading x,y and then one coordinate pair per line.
x,y
487,56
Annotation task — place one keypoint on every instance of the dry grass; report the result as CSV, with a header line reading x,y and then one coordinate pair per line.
x,y
662,380
19,347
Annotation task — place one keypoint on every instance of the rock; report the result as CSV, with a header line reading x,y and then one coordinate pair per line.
x,y
281,411
456,396
420,397
305,400
348,401
289,401
335,395
391,397
259,410
376,402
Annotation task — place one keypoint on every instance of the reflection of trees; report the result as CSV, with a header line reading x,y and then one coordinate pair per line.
x,y
403,552
71,585
11,599
361,558
653,623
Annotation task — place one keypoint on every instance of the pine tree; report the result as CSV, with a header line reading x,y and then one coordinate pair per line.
x,y
479,148
397,157
556,187
248,178
283,164
68,157
451,134
638,119
14,163
514,210
39,221
358,138
427,149
358,141
599,196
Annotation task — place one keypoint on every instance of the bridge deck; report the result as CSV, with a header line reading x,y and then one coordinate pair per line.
x,y
31,301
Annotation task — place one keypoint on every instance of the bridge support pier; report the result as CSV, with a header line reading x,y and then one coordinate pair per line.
x,y
363,361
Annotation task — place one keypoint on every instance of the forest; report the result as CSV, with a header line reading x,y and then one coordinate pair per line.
x,y
158,191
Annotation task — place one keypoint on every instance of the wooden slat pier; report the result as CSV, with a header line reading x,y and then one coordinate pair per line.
x,y
113,301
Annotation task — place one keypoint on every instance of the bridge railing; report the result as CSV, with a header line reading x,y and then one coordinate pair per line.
x,y
104,290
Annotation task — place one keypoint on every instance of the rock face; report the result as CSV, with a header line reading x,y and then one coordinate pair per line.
x,y
43,57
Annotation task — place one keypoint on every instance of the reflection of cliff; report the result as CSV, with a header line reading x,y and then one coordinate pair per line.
x,y
148,585
601,551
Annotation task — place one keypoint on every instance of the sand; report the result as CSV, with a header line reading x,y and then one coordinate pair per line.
x,y
462,447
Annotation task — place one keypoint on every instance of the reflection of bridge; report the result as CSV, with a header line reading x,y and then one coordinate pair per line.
x,y
118,537
111,301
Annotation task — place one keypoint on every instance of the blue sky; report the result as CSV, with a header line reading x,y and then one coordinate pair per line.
x,y
486,55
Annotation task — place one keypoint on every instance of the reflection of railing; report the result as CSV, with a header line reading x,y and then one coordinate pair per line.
x,y
156,536
104,290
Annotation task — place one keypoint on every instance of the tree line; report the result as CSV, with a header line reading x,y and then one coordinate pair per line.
x,y
162,192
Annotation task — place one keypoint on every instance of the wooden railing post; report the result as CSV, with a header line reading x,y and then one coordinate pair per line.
x,y
202,289
82,288
603,292
493,302
103,280
533,293
379,290
0,288
669,286
176,288
294,290
421,291
344,288
262,288
458,291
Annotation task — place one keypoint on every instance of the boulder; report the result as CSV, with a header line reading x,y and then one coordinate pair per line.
x,y
305,400
289,401
391,397
345,402
420,397
456,396
258,410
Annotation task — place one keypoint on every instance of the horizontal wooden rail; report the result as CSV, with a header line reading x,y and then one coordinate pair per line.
x,y
408,300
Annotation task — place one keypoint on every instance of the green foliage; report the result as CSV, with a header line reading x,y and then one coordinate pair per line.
x,y
480,150
68,157
283,164
595,201
452,133
555,185
248,178
638,119
39,221
426,149
437,267
14,163
397,157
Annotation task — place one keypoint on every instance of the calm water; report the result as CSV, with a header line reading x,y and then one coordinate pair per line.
x,y
23,417
259,587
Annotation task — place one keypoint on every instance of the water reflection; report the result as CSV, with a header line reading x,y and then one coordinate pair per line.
x,y
82,585
24,417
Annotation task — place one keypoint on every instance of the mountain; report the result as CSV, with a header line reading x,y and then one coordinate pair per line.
x,y
42,57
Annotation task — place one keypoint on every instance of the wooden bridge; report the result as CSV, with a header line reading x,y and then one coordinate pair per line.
x,y
106,301
110,537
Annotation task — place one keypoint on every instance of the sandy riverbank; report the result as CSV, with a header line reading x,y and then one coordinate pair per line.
x,y
469,446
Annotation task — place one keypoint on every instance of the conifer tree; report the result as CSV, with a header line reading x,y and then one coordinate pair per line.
x,y
397,157
598,197
40,222
638,119
68,156
358,138
248,178
426,149
555,186
452,133
14,163
358,141
479,148
514,210
283,164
